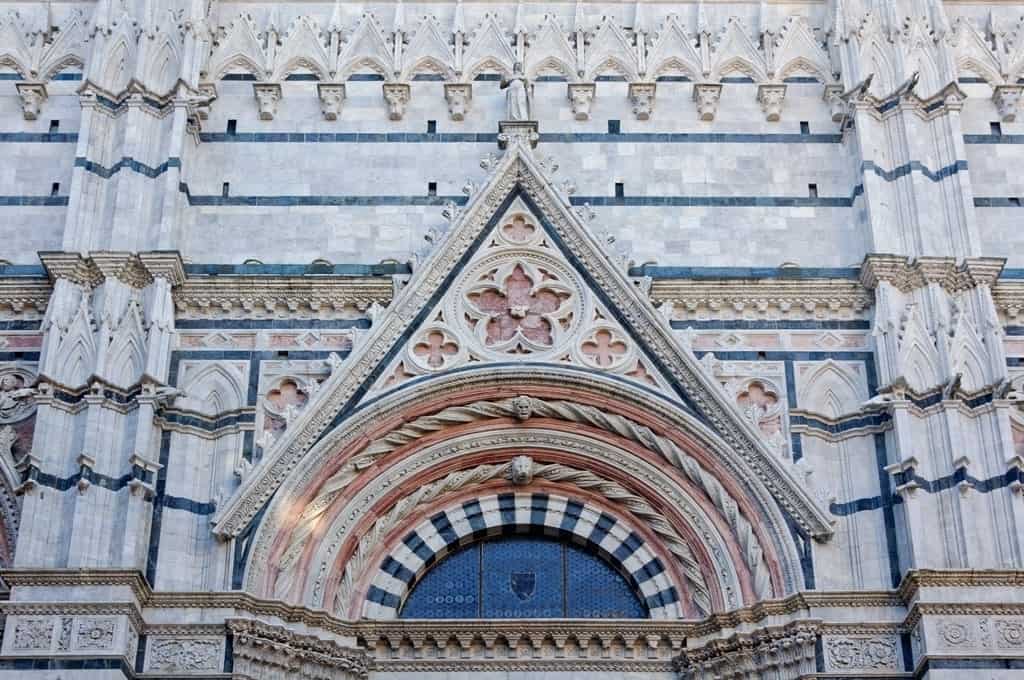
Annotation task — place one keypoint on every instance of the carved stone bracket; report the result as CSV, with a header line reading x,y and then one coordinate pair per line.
x,y
208,93
32,97
332,95
771,97
397,97
581,97
908,274
833,96
641,95
459,96
518,131
267,97
1007,101
707,95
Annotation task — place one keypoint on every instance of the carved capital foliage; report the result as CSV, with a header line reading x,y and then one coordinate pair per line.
x,y
263,650
784,653
907,274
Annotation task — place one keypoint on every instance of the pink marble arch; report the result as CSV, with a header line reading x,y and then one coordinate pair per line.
x,y
433,403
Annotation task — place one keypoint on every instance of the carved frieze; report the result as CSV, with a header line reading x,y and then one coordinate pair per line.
x,y
168,654
861,652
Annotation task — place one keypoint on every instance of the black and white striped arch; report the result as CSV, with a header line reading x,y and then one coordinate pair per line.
x,y
493,515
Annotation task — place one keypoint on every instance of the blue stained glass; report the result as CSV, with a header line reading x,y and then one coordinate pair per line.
x,y
522,577
597,590
448,592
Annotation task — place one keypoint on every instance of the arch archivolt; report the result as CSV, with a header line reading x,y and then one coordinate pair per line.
x,y
588,520
573,425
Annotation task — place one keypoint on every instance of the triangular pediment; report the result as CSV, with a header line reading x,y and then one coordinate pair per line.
x,y
520,277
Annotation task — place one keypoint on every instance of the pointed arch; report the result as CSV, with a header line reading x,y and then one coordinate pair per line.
x,y
968,356
213,389
797,51
162,66
834,385
14,53
116,66
126,355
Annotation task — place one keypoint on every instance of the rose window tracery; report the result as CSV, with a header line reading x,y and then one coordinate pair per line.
x,y
519,307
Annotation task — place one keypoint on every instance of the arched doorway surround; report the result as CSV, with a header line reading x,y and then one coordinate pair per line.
x,y
400,457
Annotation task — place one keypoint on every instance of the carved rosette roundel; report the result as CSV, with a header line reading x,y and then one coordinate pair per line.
x,y
519,301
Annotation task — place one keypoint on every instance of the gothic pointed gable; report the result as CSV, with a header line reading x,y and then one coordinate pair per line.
x,y
518,186
610,51
366,50
673,52
735,52
489,49
550,52
429,51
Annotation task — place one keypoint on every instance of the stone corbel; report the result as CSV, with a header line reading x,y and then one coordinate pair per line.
x,y
86,463
707,95
207,93
907,488
518,132
32,95
397,96
267,97
833,96
641,95
771,96
332,95
458,96
1006,99
581,96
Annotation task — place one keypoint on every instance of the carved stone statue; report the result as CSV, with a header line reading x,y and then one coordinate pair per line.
x,y
519,95
14,398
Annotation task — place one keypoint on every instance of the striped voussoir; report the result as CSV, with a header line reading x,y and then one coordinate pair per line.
x,y
472,520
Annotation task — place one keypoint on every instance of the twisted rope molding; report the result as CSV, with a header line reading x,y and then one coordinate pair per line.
x,y
522,408
553,472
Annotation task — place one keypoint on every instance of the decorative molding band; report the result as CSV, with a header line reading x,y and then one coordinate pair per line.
x,y
682,299
253,296
127,162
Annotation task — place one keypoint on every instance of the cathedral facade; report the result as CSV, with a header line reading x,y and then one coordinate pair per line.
x,y
504,339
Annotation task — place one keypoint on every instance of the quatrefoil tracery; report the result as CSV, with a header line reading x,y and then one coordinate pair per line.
x,y
519,306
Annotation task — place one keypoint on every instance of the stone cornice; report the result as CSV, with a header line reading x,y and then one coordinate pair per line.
x,y
22,296
137,270
256,296
812,298
1008,296
907,274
